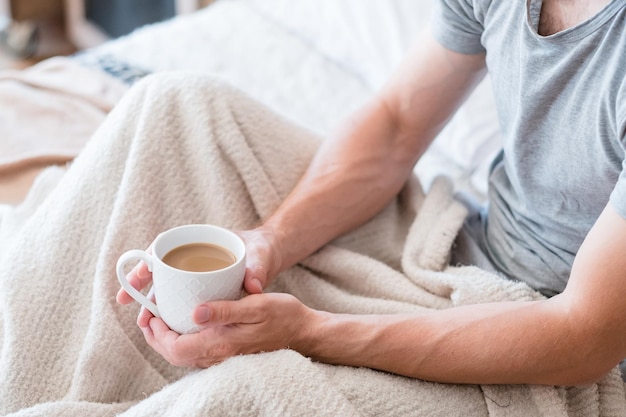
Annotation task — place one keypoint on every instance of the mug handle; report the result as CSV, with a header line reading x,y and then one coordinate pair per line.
x,y
132,291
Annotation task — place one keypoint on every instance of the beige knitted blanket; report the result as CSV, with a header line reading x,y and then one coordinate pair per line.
x,y
180,149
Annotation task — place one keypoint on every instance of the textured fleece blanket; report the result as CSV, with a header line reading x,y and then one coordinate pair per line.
x,y
181,148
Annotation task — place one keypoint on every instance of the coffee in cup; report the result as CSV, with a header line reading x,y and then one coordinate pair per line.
x,y
199,257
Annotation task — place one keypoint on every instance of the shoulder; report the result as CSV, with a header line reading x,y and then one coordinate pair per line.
x,y
475,10
458,24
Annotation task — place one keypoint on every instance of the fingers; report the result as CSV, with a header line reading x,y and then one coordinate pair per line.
x,y
161,332
163,340
143,319
155,331
139,277
144,316
188,350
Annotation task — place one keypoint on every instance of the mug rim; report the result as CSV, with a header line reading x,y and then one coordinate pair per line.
x,y
158,257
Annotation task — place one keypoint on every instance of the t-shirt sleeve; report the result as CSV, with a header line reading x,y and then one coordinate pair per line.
x,y
455,26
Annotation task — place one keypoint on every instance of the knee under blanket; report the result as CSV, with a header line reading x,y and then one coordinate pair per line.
x,y
182,148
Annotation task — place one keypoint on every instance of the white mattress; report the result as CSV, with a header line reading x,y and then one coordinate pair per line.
x,y
315,61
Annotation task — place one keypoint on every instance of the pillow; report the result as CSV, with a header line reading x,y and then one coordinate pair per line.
x,y
367,37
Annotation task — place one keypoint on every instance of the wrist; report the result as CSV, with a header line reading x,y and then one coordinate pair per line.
x,y
309,339
343,339
293,239
373,341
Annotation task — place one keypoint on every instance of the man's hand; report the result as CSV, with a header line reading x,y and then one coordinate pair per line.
x,y
256,323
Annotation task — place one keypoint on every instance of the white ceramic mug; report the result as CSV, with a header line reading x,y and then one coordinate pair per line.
x,y
178,292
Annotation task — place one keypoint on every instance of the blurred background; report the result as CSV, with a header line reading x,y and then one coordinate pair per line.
x,y
32,30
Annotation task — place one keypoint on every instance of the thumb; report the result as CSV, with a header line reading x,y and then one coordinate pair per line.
x,y
226,312
255,279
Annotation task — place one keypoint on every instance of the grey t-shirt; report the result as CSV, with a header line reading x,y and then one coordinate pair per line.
x,y
561,103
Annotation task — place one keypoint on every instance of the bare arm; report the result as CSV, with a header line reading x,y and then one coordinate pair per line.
x,y
356,173
572,338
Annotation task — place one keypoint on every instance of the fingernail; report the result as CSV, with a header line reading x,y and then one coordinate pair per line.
x,y
151,323
256,283
147,330
203,314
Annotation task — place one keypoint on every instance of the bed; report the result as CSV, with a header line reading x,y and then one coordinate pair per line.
x,y
312,62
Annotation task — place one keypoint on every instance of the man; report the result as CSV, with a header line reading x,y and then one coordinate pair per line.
x,y
556,218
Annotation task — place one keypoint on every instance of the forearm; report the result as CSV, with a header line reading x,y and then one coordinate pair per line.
x,y
513,342
352,177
